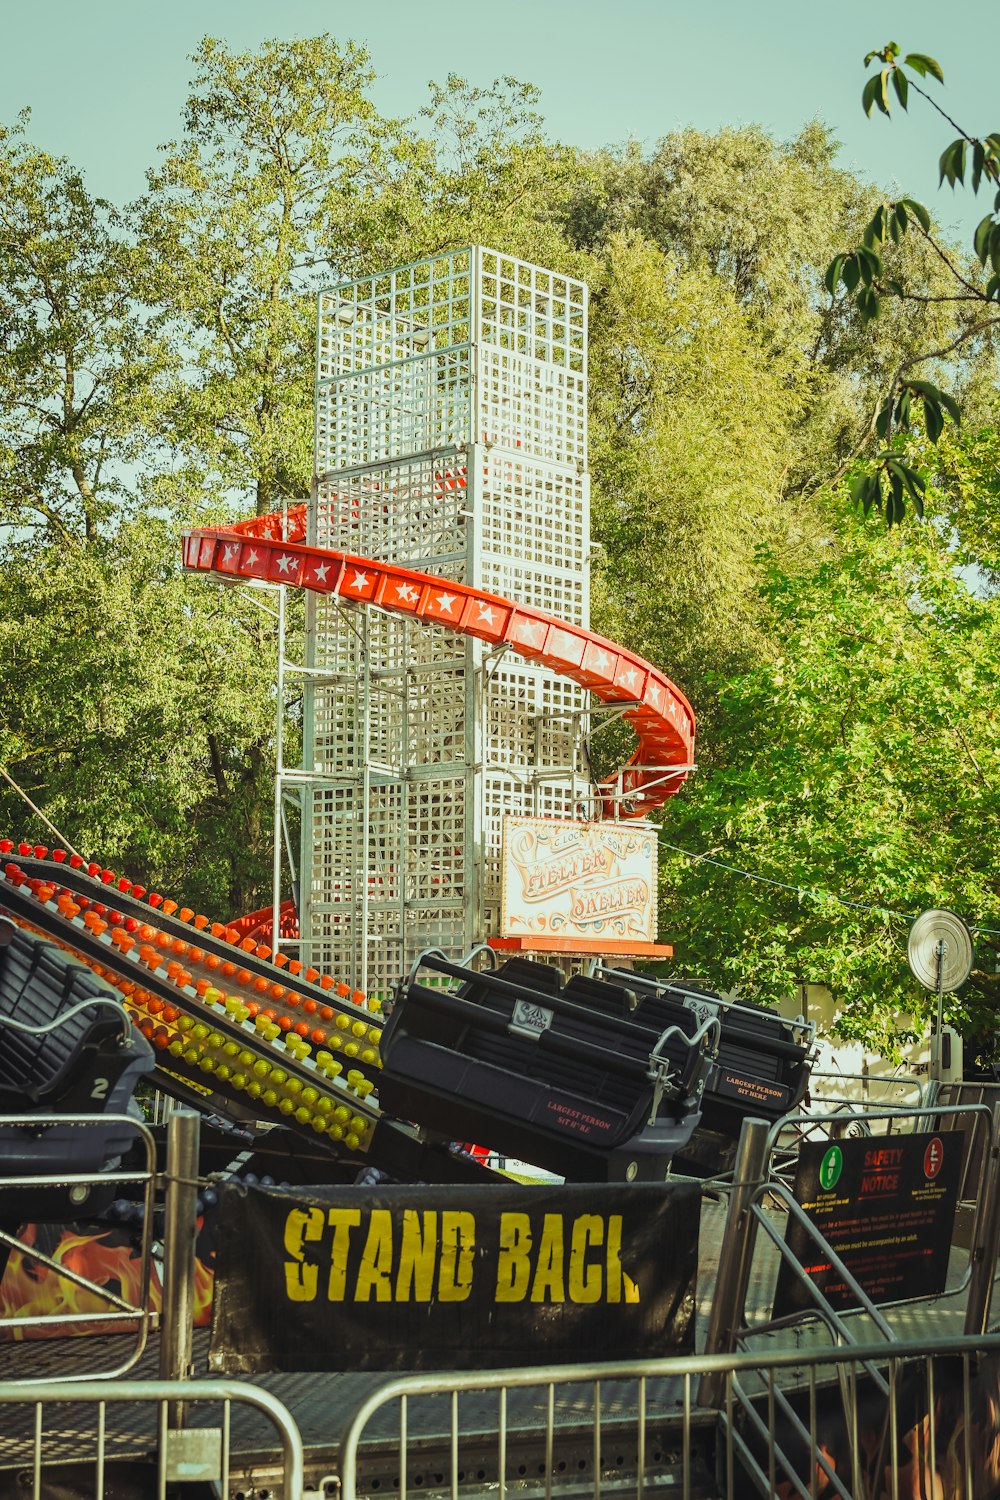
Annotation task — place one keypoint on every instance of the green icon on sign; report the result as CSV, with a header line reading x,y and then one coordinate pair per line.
x,y
830,1168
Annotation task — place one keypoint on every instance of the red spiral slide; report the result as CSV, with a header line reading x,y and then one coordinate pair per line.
x,y
274,548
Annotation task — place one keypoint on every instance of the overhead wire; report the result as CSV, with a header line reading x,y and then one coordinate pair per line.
x,y
804,890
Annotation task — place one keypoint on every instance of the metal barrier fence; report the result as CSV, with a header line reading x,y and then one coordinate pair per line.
x,y
43,1436
114,1310
857,1423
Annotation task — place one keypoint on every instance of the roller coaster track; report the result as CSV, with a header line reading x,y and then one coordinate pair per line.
x,y
273,548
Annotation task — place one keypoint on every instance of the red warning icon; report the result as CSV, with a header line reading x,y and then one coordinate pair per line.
x,y
933,1157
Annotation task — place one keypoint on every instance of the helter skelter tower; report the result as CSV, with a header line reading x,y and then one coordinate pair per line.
x,y
451,435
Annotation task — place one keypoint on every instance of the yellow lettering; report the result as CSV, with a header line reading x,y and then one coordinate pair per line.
x,y
618,1279
549,1271
375,1270
514,1258
458,1246
584,1279
341,1221
417,1253
300,1279
614,1258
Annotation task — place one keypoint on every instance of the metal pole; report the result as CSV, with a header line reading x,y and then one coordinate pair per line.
x,y
180,1230
936,1054
279,773
737,1251
987,1245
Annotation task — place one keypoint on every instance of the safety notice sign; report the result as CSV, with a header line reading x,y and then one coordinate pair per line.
x,y
885,1205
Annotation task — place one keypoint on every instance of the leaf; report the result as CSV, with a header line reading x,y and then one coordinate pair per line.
x,y
833,271
995,247
934,393
951,407
851,272
903,409
981,239
882,97
901,84
894,286
922,64
869,263
933,418
918,211
993,288
871,493
952,163
978,158
875,232
870,93
883,420
895,509
868,304
914,483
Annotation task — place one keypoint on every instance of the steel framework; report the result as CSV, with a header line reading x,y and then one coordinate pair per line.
x,y
451,436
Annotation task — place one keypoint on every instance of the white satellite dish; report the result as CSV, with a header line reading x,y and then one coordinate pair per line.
x,y
940,955
939,950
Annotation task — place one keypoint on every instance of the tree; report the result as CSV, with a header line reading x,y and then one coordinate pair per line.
x,y
131,702
690,442
861,765
257,204
764,217
81,368
912,403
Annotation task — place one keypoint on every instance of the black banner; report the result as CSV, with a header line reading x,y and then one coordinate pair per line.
x,y
886,1206
452,1278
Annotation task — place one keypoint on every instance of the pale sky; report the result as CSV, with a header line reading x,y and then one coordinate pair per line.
x,y
106,80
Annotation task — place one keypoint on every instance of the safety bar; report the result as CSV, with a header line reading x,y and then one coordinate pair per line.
x,y
470,1011
554,1000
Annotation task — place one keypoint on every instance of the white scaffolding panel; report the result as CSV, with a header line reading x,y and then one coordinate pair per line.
x,y
451,436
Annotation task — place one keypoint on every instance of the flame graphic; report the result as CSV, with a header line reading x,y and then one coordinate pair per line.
x,y
204,1288
29,1289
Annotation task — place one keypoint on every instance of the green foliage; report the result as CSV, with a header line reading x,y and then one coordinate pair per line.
x,y
81,370
686,403
862,765
240,224
866,280
133,713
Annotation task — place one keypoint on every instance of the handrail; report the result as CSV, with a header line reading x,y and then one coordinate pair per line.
x,y
128,1313
166,1393
406,1388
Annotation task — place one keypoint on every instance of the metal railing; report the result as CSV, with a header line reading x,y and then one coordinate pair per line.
x,y
809,1421
112,1420
759,1188
116,1311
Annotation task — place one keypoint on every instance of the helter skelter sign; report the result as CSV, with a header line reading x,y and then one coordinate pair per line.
x,y
578,881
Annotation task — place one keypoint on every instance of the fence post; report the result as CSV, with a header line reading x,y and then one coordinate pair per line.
x,y
180,1231
735,1254
987,1245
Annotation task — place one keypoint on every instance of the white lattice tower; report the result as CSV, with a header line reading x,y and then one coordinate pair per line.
x,y
451,435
